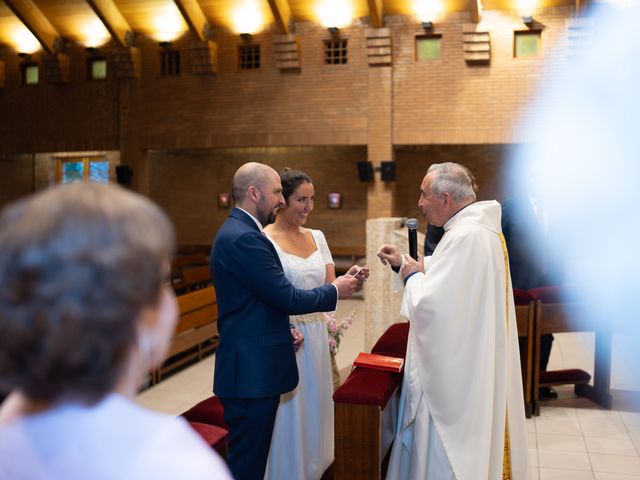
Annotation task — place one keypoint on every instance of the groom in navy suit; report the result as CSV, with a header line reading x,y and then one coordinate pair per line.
x,y
255,360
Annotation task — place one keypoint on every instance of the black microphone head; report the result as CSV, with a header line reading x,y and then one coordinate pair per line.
x,y
412,224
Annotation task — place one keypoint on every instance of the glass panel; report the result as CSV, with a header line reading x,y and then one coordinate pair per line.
x,y
99,171
527,44
428,48
72,171
31,74
99,69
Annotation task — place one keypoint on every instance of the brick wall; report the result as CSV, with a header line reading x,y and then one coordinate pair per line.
x,y
17,177
185,136
316,105
78,115
488,163
186,184
447,101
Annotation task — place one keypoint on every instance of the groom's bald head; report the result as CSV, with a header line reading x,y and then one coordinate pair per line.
x,y
250,174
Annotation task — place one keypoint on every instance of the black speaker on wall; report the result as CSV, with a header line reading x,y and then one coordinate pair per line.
x,y
365,171
124,174
388,171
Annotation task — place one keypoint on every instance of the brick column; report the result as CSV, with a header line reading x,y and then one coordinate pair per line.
x,y
381,195
132,151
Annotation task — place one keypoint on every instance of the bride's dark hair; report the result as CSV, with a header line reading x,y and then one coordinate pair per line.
x,y
292,179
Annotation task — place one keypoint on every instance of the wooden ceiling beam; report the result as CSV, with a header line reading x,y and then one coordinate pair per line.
x,y
109,14
375,12
194,16
33,18
282,14
475,6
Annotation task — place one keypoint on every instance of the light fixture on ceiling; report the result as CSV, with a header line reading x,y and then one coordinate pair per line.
x,y
427,12
334,13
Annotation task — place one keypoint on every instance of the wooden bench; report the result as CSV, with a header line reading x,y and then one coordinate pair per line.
x,y
196,332
554,314
525,304
194,278
189,272
362,405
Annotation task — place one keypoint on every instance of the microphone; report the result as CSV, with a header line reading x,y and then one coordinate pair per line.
x,y
412,226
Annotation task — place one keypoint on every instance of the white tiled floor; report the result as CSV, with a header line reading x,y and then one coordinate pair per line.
x,y
565,442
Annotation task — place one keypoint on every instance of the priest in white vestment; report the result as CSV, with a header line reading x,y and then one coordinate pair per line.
x,y
461,413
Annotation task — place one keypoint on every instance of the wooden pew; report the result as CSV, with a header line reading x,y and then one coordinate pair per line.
x,y
183,263
194,278
525,304
360,405
554,314
196,332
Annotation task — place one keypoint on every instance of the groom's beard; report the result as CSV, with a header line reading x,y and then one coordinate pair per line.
x,y
266,217
271,218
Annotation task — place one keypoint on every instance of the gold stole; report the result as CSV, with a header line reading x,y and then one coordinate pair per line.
x,y
506,459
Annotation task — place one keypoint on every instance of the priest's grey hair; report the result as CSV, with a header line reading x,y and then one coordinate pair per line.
x,y
454,179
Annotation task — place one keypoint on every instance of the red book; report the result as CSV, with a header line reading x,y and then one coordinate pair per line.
x,y
379,362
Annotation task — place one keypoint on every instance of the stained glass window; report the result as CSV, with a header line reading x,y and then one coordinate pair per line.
x,y
526,43
99,171
72,171
93,169
428,47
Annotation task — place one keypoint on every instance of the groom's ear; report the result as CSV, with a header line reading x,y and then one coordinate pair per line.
x,y
253,193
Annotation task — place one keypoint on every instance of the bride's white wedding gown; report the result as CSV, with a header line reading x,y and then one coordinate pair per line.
x,y
302,442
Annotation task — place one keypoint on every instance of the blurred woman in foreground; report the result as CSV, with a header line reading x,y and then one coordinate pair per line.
x,y
85,313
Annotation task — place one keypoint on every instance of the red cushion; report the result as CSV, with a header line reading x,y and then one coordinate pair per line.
x,y
522,297
216,437
553,294
366,386
393,341
564,377
208,411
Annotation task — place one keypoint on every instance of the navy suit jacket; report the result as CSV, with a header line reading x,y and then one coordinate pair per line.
x,y
255,357
530,261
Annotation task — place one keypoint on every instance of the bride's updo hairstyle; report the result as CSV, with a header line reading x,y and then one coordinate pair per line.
x,y
78,264
290,180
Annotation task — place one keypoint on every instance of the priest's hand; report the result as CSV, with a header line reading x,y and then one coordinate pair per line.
x,y
390,254
409,265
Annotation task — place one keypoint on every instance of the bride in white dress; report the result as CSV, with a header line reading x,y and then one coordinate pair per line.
x,y
302,442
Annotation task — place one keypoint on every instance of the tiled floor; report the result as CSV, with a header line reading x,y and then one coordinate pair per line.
x,y
572,439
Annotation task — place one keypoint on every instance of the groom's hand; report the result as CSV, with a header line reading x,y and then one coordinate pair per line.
x,y
346,285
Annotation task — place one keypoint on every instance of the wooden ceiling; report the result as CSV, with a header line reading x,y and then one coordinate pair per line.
x,y
92,22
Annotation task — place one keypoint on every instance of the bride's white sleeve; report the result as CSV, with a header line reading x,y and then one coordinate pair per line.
x,y
321,243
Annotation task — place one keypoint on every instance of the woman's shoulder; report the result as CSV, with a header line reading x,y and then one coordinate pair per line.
x,y
316,233
179,452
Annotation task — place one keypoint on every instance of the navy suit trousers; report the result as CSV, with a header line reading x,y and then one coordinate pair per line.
x,y
250,422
